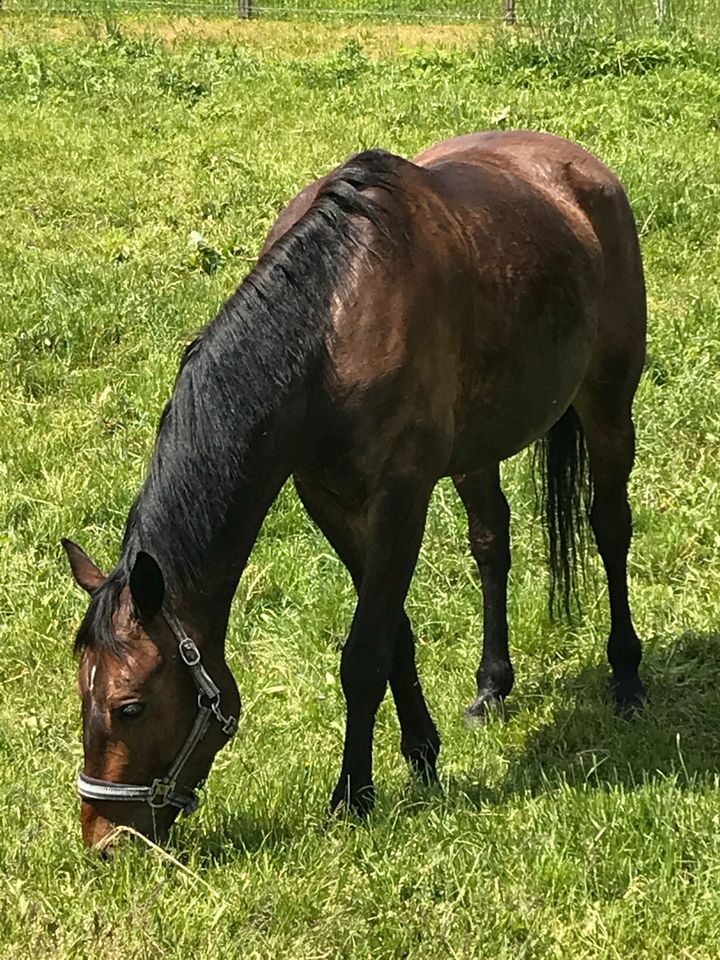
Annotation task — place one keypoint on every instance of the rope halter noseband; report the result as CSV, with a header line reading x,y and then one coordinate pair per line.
x,y
162,792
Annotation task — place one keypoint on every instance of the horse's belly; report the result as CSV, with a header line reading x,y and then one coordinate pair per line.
x,y
516,403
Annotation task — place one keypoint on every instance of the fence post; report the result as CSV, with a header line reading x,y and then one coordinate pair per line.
x,y
245,9
509,11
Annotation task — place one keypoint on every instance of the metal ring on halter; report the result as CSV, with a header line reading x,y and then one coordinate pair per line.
x,y
161,792
189,652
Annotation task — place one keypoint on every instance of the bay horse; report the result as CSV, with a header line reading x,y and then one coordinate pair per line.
x,y
406,321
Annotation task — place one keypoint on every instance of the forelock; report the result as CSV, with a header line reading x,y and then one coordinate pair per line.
x,y
97,630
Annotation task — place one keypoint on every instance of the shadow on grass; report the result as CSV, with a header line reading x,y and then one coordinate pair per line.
x,y
236,835
585,744
676,735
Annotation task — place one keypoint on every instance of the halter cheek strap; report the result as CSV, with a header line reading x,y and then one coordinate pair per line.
x,y
161,792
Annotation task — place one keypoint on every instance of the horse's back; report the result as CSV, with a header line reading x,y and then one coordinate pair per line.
x,y
563,171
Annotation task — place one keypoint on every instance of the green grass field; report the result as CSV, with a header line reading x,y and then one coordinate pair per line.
x,y
561,831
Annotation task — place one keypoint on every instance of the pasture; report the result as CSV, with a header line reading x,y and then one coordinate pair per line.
x,y
141,164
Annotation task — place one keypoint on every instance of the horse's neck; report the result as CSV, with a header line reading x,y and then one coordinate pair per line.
x,y
205,603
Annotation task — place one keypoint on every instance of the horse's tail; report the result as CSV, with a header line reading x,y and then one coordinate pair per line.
x,y
563,492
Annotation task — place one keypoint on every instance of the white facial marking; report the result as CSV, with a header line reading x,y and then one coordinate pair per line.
x,y
92,677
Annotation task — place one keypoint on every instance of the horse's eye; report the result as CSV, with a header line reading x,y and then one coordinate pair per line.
x,y
131,710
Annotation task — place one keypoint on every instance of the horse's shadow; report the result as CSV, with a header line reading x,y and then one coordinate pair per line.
x,y
235,836
584,744
676,735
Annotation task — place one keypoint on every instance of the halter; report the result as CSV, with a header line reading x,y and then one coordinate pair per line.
x,y
162,792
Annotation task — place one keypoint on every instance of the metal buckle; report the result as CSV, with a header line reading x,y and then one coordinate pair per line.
x,y
189,652
162,789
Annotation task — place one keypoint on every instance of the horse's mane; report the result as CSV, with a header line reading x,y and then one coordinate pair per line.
x,y
234,375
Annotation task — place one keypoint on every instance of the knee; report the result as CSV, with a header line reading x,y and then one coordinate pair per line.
x,y
364,674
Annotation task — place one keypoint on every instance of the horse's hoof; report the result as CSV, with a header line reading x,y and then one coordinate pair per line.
x,y
359,802
485,705
628,697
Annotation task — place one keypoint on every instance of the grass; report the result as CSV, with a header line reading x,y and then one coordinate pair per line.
x,y
561,831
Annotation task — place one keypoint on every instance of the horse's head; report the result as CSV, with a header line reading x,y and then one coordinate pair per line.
x,y
157,702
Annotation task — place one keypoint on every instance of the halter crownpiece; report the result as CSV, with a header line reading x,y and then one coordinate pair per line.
x,y
161,792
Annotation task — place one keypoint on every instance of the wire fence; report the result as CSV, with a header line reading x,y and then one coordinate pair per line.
x,y
594,14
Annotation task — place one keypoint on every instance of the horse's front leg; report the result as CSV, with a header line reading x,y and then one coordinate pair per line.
x,y
396,520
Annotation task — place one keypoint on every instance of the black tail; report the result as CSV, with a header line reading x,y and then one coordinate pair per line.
x,y
563,495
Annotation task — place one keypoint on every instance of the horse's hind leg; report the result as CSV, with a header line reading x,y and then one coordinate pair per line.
x,y
610,440
604,405
420,742
489,532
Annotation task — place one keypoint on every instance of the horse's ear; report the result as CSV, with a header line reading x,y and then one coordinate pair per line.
x,y
147,586
87,575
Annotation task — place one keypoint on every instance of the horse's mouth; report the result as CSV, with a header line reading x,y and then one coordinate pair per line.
x,y
102,834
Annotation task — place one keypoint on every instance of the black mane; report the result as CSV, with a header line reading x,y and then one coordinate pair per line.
x,y
233,376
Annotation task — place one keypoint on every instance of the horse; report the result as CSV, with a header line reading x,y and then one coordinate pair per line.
x,y
405,321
